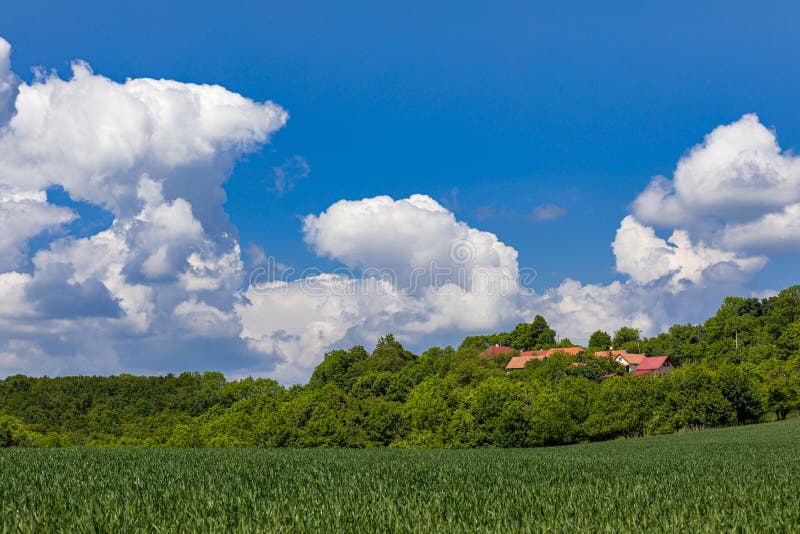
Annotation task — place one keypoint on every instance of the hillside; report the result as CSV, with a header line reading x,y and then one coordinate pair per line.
x,y
741,366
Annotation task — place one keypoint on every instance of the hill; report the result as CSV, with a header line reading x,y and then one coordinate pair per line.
x,y
741,366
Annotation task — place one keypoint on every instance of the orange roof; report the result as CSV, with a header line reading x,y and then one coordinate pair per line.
x,y
495,351
634,359
610,352
518,362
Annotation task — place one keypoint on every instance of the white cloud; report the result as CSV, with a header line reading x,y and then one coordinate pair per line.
x,y
775,232
736,190
96,137
412,235
739,171
23,215
154,291
645,257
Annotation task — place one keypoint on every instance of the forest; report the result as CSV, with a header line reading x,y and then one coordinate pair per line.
x,y
740,366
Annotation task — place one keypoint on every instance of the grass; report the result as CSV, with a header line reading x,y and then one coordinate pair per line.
x,y
744,479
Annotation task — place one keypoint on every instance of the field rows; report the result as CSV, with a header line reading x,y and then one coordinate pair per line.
x,y
739,479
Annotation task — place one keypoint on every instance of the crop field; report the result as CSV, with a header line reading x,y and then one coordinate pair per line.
x,y
738,479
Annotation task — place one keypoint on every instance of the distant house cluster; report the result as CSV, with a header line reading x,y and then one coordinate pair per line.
x,y
635,364
518,362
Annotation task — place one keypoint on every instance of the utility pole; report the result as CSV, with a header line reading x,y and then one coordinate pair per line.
x,y
737,340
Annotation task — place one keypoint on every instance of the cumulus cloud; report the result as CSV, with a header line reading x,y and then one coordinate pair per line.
x,y
164,277
645,257
735,189
96,137
413,235
772,232
739,170
25,214
55,297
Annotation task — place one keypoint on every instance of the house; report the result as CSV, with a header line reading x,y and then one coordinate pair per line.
x,y
629,361
518,362
655,365
495,351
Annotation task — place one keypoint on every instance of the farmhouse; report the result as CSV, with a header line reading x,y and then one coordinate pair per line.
x,y
655,365
629,361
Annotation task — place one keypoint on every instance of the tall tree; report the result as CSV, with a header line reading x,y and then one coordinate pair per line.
x,y
625,336
600,340
534,335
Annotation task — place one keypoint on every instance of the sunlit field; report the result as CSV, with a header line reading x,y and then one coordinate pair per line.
x,y
745,478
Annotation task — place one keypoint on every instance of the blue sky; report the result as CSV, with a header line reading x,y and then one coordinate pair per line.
x,y
492,109
515,104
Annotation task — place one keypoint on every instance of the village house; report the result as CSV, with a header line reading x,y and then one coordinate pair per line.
x,y
636,364
630,361
633,362
518,362
655,365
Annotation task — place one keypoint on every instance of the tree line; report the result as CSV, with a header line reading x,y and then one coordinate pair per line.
x,y
740,366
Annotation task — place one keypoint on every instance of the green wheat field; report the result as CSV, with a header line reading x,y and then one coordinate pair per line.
x,y
744,479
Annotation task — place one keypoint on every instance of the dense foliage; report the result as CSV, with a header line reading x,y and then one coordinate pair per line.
x,y
728,480
742,365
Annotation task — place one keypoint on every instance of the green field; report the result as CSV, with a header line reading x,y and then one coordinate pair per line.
x,y
736,479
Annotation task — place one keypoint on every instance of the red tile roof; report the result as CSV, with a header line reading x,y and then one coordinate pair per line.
x,y
518,362
495,351
654,363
